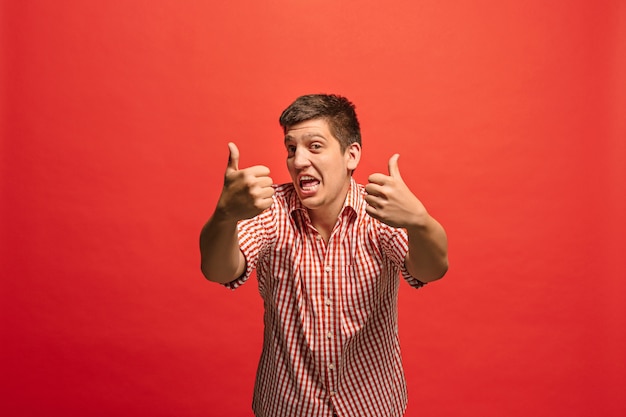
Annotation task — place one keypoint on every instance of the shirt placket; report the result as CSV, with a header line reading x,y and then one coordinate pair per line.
x,y
332,273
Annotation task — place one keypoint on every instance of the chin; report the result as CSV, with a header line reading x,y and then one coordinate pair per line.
x,y
309,202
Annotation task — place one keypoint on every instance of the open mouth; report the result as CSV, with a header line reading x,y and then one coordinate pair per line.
x,y
309,183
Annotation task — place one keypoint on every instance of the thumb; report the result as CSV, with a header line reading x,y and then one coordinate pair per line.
x,y
233,157
394,171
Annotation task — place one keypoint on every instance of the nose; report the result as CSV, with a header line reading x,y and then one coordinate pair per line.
x,y
301,158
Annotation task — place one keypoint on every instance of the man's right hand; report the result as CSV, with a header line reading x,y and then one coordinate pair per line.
x,y
247,192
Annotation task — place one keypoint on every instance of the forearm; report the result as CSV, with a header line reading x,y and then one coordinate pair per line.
x,y
427,259
221,259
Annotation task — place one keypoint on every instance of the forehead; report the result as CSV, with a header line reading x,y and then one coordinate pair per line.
x,y
309,128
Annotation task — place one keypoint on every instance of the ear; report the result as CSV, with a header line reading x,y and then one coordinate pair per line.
x,y
353,155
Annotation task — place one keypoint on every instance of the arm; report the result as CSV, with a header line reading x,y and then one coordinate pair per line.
x,y
392,202
427,258
221,258
246,193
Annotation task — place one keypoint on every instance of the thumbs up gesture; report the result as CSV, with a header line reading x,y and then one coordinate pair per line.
x,y
391,201
246,192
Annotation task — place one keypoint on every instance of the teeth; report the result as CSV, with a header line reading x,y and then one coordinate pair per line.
x,y
308,183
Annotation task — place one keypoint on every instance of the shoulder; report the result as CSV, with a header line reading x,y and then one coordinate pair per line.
x,y
284,194
356,198
283,189
285,200
376,229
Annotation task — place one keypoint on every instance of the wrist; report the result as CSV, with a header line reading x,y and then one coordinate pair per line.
x,y
222,216
420,223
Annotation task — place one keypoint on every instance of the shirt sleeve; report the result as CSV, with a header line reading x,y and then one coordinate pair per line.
x,y
395,245
254,236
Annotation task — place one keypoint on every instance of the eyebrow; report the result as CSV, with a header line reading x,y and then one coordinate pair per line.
x,y
305,136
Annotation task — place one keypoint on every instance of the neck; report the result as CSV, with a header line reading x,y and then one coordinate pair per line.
x,y
324,218
324,226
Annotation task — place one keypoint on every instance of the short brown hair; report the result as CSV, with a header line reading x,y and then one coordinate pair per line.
x,y
338,112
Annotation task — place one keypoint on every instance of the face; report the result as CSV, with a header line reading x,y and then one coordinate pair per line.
x,y
320,171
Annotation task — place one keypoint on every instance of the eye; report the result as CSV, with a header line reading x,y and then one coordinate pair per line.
x,y
291,150
316,146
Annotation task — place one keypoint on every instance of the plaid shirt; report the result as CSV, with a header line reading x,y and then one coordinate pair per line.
x,y
331,332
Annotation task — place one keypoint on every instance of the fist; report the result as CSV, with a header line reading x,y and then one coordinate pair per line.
x,y
391,201
246,192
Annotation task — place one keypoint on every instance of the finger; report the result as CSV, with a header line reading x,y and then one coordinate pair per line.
x,y
258,171
264,182
370,200
233,157
371,210
266,193
378,178
394,170
265,203
374,189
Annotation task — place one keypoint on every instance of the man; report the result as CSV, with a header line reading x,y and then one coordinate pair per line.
x,y
328,254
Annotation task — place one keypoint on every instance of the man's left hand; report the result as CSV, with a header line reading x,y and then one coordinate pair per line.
x,y
390,200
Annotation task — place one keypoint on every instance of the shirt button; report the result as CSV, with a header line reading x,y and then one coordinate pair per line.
x,y
331,366
328,269
329,302
332,393
329,335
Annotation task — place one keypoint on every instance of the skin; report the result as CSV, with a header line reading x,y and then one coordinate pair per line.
x,y
391,201
312,151
245,194
321,175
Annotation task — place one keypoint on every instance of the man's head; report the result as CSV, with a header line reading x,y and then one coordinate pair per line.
x,y
337,111
323,145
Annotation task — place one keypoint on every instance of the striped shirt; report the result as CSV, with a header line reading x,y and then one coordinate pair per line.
x,y
331,334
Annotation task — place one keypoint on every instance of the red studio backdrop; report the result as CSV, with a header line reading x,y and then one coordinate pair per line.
x,y
115,116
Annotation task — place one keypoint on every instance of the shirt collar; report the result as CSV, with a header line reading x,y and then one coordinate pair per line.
x,y
353,202
354,199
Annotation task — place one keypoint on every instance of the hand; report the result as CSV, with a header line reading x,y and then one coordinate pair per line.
x,y
390,200
246,192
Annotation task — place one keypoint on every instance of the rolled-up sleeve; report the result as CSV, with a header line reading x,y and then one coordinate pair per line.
x,y
395,244
253,237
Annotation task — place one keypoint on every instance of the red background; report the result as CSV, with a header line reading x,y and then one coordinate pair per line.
x,y
509,118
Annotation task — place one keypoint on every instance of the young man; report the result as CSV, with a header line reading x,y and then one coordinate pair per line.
x,y
328,254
